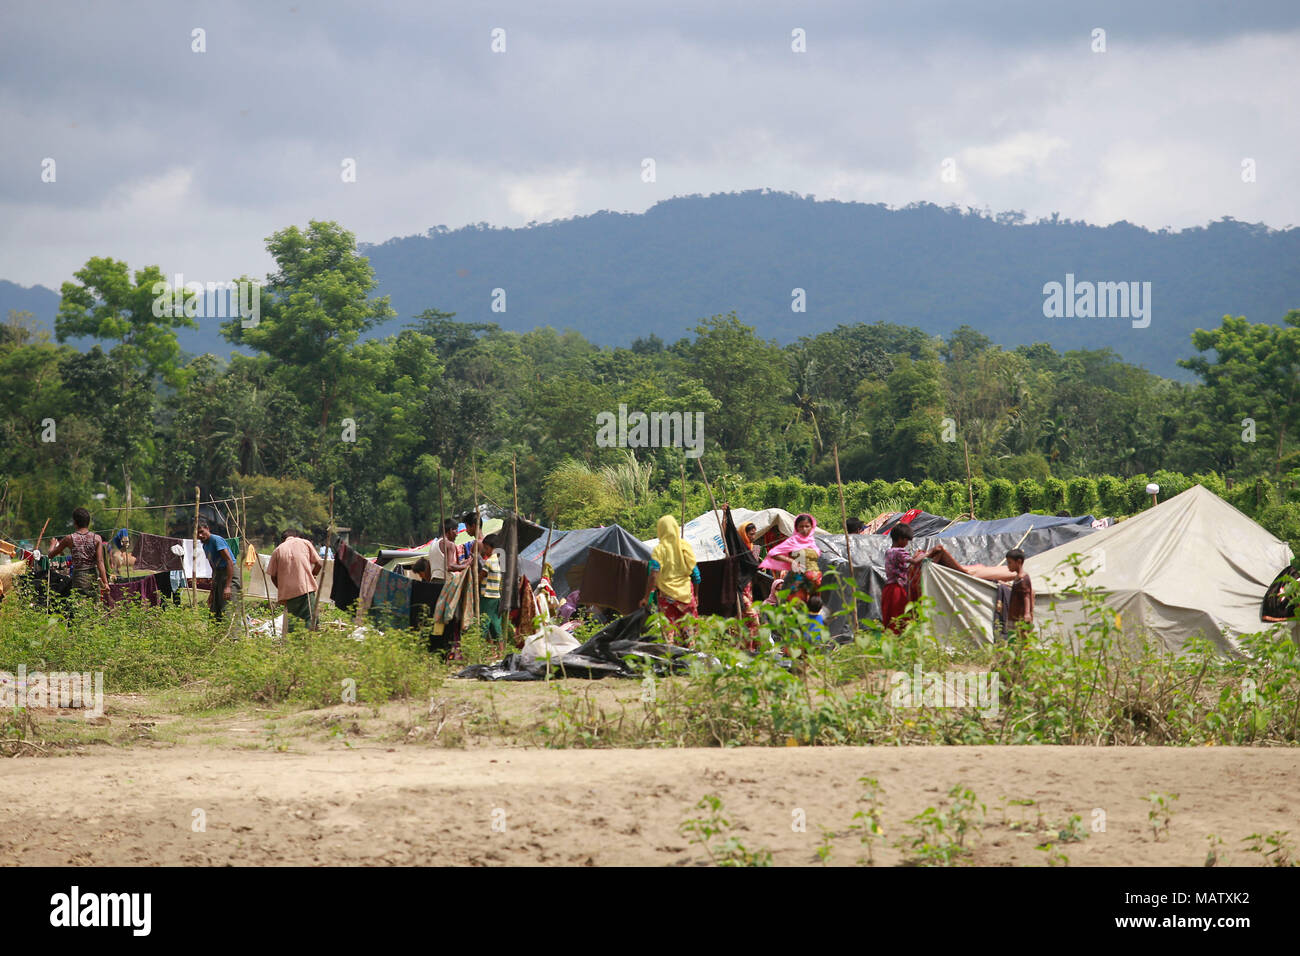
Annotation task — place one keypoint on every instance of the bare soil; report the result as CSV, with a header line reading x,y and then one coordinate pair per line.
x,y
362,785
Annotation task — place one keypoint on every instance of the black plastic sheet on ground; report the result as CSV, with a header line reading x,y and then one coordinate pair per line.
x,y
604,655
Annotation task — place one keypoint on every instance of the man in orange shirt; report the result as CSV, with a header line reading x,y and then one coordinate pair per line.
x,y
292,569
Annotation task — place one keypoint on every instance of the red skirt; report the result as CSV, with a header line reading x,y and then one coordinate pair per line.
x,y
893,600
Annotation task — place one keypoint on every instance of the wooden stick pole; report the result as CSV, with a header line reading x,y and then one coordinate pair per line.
x,y
848,544
970,488
478,536
683,492
442,511
511,580
39,539
194,558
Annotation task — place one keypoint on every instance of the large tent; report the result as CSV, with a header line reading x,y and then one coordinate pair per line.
x,y
1192,566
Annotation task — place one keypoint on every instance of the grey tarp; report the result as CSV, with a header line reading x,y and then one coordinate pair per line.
x,y
1191,566
568,554
869,560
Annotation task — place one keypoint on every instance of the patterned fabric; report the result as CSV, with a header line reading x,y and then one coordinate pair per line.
x,y
896,565
369,580
393,595
84,548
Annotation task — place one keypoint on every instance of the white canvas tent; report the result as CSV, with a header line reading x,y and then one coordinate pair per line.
x,y
1191,566
706,539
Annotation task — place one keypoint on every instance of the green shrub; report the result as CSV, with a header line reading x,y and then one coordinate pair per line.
x,y
1029,495
1110,495
929,496
1053,496
1081,496
955,499
1002,498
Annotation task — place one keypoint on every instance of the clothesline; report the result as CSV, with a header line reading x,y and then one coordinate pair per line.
x,y
189,504
185,504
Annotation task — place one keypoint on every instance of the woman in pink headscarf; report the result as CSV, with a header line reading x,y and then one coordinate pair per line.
x,y
794,561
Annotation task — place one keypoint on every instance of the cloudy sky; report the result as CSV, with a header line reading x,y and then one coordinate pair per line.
x,y
188,160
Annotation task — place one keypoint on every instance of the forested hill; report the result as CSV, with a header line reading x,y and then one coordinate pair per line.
x,y
615,277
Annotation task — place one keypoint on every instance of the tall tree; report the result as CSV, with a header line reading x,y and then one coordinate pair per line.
x,y
319,306
1254,377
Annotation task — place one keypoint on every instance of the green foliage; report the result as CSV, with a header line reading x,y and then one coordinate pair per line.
x,y
1081,495
712,832
275,504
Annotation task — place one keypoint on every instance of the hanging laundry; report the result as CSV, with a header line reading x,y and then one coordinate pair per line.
x,y
154,553
393,596
143,590
369,580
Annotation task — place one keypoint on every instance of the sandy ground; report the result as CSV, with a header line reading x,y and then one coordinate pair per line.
x,y
410,803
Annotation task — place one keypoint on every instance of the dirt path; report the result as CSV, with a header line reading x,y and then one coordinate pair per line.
x,y
417,805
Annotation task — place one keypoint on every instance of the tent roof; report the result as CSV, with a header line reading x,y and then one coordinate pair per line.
x,y
568,553
1017,525
706,539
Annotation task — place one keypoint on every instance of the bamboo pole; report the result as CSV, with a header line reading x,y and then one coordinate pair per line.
x,y
511,580
442,511
683,464
47,565
194,558
970,489
478,536
848,544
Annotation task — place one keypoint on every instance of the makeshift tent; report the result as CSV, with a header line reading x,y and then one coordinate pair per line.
x,y
394,559
988,548
568,554
1192,566
705,537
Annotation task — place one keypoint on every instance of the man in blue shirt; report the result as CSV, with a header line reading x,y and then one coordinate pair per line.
x,y
225,573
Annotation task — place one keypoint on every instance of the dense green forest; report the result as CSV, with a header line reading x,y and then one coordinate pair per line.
x,y
308,401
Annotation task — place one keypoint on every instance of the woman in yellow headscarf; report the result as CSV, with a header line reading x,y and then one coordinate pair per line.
x,y
673,572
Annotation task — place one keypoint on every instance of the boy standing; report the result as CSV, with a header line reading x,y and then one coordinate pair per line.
x,y
490,574
1020,610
